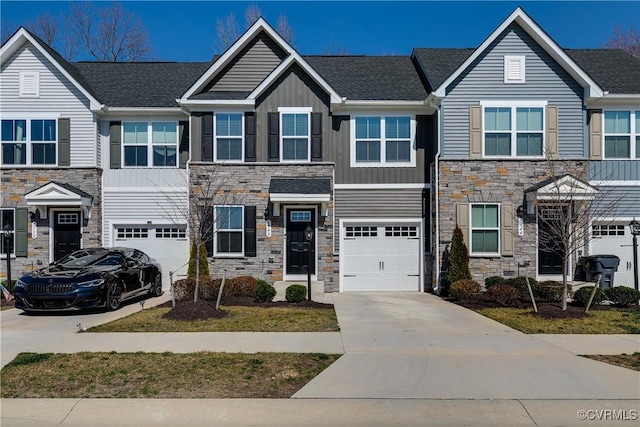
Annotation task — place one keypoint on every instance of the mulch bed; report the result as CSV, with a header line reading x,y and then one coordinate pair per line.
x,y
546,309
202,309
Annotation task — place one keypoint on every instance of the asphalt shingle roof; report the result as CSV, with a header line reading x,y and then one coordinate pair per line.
x,y
300,185
613,69
439,64
141,84
392,78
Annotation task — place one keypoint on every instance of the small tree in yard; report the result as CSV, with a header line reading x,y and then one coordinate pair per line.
x,y
200,258
459,258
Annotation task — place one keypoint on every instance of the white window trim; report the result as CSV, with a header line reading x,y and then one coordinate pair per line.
x,y
383,141
36,77
294,110
633,155
28,117
498,229
521,63
217,230
514,105
149,144
215,138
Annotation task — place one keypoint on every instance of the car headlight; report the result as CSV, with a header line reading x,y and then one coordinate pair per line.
x,y
20,285
91,283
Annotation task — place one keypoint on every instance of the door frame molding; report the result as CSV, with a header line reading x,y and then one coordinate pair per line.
x,y
297,277
52,222
382,222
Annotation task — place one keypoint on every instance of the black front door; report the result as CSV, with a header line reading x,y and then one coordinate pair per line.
x,y
66,233
549,250
297,246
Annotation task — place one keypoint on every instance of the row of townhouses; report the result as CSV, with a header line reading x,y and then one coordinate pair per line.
x,y
378,156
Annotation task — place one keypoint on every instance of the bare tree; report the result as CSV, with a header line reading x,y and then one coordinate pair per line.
x,y
228,30
206,190
629,40
564,209
110,34
336,49
45,26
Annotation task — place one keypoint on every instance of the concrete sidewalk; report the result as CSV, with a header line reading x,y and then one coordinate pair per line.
x,y
410,359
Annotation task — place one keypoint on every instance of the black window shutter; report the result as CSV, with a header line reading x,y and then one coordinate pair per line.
x,y
250,231
207,137
250,137
316,137
183,147
274,137
64,142
115,144
21,249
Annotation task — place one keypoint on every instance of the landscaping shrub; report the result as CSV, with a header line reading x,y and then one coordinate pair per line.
x,y
493,280
296,293
204,262
550,290
520,283
241,286
264,292
459,258
503,294
622,296
581,296
464,289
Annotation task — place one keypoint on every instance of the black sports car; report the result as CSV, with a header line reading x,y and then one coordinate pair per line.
x,y
90,278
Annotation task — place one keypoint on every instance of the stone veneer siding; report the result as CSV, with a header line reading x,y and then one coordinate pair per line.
x,y
15,183
248,184
467,181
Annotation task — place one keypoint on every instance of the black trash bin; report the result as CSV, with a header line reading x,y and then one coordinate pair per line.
x,y
592,265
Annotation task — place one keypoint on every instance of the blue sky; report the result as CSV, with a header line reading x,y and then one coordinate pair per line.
x,y
185,31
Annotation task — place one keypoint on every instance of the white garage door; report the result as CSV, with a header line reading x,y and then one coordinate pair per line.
x,y
167,244
380,258
615,239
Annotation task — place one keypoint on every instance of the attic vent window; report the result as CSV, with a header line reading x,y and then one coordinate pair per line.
x,y
514,69
29,84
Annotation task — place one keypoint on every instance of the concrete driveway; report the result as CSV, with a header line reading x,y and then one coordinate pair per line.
x,y
412,345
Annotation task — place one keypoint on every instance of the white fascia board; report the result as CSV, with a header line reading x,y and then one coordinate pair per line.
x,y
615,100
380,186
234,49
248,103
605,183
541,37
346,105
304,198
294,57
143,110
22,36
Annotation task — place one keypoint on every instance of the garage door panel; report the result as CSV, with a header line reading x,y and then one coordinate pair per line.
x,y
615,239
381,258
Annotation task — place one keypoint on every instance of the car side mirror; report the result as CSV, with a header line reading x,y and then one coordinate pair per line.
x,y
130,263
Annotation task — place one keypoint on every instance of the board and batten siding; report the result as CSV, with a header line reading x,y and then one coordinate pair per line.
x,y
57,96
484,80
345,174
251,66
294,88
615,170
376,203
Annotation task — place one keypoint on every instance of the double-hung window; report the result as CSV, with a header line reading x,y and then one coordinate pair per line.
x,y
513,131
150,143
229,230
29,141
295,134
485,229
622,134
7,216
382,141
229,143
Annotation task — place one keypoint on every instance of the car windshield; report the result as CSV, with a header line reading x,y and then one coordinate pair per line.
x,y
82,258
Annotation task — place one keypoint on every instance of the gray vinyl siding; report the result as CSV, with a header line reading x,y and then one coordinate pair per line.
x,y
251,65
615,170
294,88
57,95
376,203
484,80
345,174
620,201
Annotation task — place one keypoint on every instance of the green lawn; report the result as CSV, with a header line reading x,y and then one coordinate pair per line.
x,y
240,319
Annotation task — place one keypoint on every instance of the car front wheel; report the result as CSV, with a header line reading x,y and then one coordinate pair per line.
x,y
156,288
114,297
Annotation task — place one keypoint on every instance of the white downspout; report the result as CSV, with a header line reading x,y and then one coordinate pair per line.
x,y
436,169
